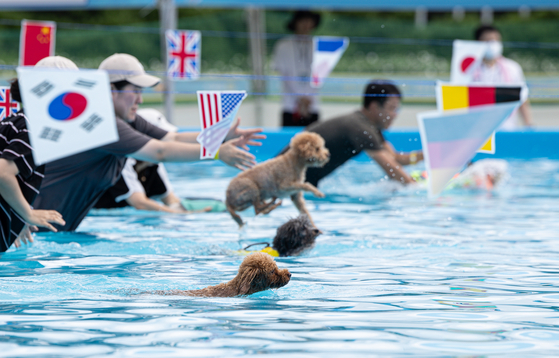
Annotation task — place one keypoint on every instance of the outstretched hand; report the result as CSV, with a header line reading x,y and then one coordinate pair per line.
x,y
24,236
232,155
43,218
250,135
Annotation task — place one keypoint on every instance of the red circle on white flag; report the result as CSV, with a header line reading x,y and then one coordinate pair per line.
x,y
466,63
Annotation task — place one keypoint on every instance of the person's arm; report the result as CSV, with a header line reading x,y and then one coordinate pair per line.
x,y
229,153
141,202
250,135
183,137
526,113
404,158
388,163
10,191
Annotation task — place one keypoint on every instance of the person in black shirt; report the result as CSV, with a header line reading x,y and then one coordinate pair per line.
x,y
348,135
20,178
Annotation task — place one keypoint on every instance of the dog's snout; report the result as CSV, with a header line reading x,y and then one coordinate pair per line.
x,y
289,274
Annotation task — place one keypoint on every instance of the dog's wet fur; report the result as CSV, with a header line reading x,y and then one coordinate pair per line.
x,y
279,177
295,236
258,272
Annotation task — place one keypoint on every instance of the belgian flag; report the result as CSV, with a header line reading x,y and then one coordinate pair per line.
x,y
455,97
451,96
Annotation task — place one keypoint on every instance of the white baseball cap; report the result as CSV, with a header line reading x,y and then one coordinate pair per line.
x,y
156,118
124,67
57,62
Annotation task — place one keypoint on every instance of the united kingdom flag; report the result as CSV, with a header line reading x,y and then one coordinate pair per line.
x,y
217,112
183,54
7,105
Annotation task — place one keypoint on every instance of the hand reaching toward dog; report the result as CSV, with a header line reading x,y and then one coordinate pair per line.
x,y
250,135
232,155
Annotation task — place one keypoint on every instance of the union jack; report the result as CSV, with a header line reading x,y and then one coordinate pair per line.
x,y
217,112
183,54
7,105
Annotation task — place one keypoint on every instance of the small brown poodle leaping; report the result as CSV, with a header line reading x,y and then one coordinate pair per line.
x,y
258,272
279,177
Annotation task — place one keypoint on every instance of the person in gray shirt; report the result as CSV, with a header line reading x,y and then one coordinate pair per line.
x,y
73,185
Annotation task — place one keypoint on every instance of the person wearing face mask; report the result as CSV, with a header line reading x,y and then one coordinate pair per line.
x,y
497,69
347,136
292,58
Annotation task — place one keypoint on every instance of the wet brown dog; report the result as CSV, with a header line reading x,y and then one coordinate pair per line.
x,y
278,178
258,272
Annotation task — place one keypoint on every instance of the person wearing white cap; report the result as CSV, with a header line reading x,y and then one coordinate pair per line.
x,y
74,184
20,178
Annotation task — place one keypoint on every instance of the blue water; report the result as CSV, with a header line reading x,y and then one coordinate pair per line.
x,y
394,274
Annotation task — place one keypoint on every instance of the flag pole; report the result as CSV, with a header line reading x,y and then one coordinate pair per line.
x,y
168,21
256,27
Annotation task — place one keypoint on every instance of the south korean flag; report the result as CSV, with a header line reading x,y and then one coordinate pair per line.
x,y
466,55
69,111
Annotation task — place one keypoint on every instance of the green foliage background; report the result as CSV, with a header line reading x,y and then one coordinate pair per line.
x,y
225,43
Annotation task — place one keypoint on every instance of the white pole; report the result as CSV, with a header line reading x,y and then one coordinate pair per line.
x,y
256,27
168,18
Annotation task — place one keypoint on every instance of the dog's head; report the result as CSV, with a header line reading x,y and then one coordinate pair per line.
x,y
259,272
310,147
295,236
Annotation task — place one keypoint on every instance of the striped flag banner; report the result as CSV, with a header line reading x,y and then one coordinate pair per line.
x,y
452,96
450,139
218,110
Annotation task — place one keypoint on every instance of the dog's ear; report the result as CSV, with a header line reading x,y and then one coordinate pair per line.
x,y
247,277
305,148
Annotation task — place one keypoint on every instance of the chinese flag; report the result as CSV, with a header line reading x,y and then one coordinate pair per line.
x,y
36,41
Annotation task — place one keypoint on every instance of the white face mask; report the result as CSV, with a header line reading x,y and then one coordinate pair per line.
x,y
494,50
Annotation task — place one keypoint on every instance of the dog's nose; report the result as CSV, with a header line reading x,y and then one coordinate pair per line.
x,y
289,274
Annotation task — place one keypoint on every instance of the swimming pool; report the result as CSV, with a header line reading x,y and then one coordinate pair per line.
x,y
471,273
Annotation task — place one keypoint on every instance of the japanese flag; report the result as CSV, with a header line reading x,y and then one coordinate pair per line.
x,y
69,111
327,51
465,55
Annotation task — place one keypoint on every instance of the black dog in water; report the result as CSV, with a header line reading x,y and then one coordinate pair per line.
x,y
292,238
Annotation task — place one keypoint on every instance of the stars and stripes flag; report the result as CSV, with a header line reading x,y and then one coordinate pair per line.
x,y
7,105
451,138
183,54
36,41
218,110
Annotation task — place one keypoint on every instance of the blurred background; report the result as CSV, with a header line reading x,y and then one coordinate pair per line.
x,y
412,46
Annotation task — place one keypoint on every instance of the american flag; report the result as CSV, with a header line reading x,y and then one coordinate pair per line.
x,y
217,112
183,54
7,105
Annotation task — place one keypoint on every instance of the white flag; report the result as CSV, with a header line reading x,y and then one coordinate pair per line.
x,y
451,138
69,111
465,56
218,110
327,51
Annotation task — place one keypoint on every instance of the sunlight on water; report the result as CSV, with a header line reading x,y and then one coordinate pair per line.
x,y
471,273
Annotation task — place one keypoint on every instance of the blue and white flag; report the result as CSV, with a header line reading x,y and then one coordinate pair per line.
x,y
183,54
218,110
327,51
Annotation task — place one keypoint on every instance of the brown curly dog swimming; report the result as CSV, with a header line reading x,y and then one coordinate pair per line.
x,y
278,178
258,272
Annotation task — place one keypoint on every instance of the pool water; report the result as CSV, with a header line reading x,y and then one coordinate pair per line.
x,y
471,273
